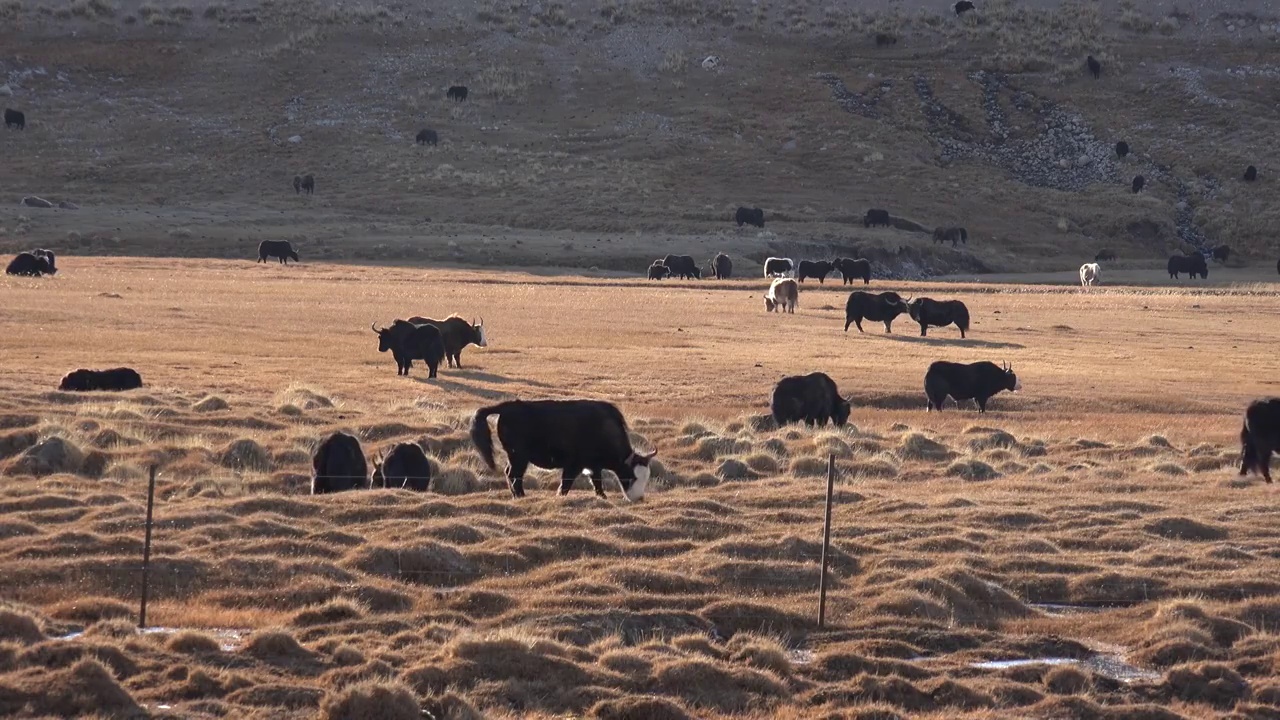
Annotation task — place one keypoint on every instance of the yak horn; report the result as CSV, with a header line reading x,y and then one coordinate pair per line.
x,y
374,325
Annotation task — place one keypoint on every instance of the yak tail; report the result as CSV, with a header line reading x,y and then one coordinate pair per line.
x,y
480,434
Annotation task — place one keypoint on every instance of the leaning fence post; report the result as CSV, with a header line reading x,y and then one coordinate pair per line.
x,y
146,549
826,542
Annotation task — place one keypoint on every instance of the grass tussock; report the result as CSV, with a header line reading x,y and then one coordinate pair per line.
x,y
389,700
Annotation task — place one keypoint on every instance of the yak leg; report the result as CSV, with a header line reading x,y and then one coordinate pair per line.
x,y
922,330
515,478
1264,460
961,333
597,480
888,326
982,404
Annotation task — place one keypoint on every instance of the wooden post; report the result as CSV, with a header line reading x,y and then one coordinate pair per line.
x,y
826,542
146,549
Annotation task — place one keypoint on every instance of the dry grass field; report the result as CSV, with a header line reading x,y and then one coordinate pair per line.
x,y
1093,522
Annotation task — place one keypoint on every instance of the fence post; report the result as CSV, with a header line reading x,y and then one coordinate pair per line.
x,y
146,549
826,542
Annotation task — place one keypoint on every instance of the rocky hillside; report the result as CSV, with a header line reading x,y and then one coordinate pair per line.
x,y
600,133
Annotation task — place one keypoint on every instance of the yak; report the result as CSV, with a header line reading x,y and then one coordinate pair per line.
x,y
1221,253
783,296
47,255
814,269
1193,265
457,93
576,436
427,136
1104,254
722,266
875,216
749,216
1250,174
1090,274
956,235
282,249
963,6
939,313
658,271
682,266
1138,183
779,267
30,265
1095,67
408,342
812,399
14,119
1260,437
456,334
884,307
404,466
113,380
851,269
304,182
973,381
338,464
1122,149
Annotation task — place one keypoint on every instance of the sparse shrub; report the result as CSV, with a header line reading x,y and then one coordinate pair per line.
x,y
210,403
503,83
734,469
1067,680
457,481
762,463
972,469
673,61
245,454
10,8
91,610
270,644
762,653
426,563
992,440
1168,468
384,700
1210,683
191,642
877,467
15,442
808,466
52,456
916,446
713,447
639,707
19,627
118,628
347,656
336,610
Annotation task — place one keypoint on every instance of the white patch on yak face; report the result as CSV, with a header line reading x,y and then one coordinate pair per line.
x,y
636,491
1017,385
484,338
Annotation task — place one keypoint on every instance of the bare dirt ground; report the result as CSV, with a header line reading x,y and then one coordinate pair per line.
x,y
1093,523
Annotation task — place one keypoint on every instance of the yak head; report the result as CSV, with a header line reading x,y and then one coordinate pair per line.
x,y
1011,379
294,254
385,338
770,304
914,308
477,329
637,467
842,411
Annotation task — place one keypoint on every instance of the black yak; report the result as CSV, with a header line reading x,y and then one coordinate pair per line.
x,y
963,6
956,235
282,249
457,93
1193,265
779,267
973,381
1122,149
658,271
722,266
404,466
749,216
814,269
1221,253
408,342
812,399
1260,437
427,136
1250,174
338,465
49,256
31,265
14,119
876,216
851,270
884,307
1095,67
456,334
1138,183
1104,255
113,380
682,266
304,182
575,436
939,313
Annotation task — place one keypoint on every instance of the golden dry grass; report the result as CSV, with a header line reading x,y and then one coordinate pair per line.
x,y
1109,481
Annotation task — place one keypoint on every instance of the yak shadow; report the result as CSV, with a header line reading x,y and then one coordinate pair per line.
x,y
962,342
482,376
454,386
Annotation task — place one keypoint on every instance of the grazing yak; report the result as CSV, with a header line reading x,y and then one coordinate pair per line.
x,y
1221,253
575,436
282,249
722,266
1138,183
427,136
1260,437
939,313
14,119
1104,255
851,269
338,465
1122,149
658,271
682,266
457,93
973,381
1250,174
783,296
405,466
779,267
304,182
47,255
884,307
1191,264
749,216
113,380
1095,67
31,265
956,235
812,399
876,216
814,269
456,334
408,342
963,6
1089,274
883,39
